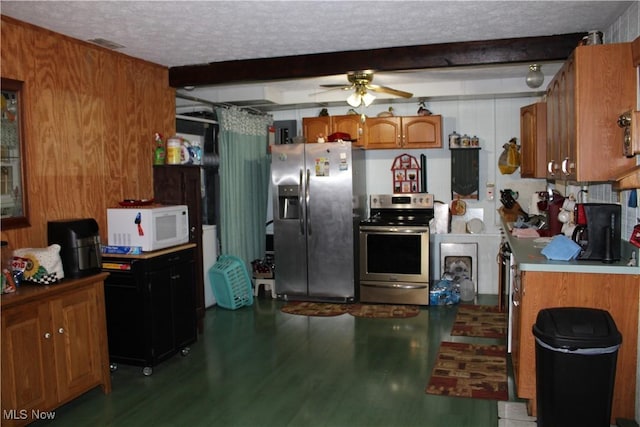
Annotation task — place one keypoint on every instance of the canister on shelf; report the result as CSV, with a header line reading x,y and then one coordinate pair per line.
x,y
454,140
174,149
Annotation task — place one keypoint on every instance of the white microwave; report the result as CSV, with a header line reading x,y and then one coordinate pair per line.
x,y
150,227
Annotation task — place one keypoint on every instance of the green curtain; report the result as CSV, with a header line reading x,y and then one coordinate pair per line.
x,y
244,182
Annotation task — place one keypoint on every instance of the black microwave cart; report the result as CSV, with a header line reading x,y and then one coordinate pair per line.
x,y
150,306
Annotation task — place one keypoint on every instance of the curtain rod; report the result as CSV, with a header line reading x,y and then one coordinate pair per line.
x,y
196,119
220,104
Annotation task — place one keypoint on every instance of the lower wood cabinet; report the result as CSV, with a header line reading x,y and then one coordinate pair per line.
x,y
617,293
54,347
150,303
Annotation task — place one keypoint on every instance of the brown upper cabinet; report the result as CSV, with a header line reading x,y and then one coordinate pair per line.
x,y
379,132
533,140
584,100
403,132
313,127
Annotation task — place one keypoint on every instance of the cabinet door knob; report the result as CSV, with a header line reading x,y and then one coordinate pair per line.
x,y
61,331
47,335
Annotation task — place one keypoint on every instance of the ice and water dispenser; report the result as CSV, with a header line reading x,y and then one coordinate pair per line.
x,y
288,202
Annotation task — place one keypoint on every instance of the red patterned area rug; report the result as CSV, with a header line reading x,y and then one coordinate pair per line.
x,y
483,321
384,311
470,370
321,309
324,309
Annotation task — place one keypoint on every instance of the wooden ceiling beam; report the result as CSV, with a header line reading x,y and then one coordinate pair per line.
x,y
486,52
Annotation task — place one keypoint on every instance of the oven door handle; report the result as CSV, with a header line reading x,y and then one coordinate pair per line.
x,y
394,229
396,285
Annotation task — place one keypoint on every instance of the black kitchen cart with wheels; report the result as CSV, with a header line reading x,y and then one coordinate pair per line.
x,y
150,305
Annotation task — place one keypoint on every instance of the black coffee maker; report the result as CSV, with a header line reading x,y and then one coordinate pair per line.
x,y
598,231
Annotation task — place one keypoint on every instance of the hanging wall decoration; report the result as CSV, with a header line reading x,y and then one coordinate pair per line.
x,y
406,174
465,172
509,160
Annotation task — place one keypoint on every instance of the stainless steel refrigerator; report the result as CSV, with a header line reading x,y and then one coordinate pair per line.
x,y
319,198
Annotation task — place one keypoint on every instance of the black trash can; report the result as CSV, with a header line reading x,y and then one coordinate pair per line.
x,y
576,355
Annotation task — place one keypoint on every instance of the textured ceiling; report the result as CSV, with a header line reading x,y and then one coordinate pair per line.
x,y
194,32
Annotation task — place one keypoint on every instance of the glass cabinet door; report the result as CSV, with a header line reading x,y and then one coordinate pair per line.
x,y
13,198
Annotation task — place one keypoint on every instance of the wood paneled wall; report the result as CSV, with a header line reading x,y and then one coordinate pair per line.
x,y
90,116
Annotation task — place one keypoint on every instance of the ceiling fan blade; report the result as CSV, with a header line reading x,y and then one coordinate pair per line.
x,y
339,86
389,90
330,89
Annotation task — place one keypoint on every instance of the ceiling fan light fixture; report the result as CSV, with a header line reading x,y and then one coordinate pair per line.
x,y
354,100
534,78
367,98
360,96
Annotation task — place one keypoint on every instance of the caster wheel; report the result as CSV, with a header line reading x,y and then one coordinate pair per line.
x,y
185,351
147,370
113,367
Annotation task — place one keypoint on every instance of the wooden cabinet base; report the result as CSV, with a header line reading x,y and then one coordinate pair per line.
x,y
616,293
54,347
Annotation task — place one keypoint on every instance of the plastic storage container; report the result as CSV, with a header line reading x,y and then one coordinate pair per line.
x,y
576,354
230,282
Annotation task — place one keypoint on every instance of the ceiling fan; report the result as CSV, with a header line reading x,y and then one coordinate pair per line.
x,y
360,82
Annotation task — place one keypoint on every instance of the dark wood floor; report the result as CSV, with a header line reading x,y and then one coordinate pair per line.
x,y
257,366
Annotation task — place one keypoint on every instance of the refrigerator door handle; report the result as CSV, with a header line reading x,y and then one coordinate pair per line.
x,y
308,197
300,212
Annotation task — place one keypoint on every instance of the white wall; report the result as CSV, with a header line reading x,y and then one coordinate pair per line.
x,y
495,122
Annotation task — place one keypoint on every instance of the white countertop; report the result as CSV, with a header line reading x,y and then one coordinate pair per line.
x,y
528,257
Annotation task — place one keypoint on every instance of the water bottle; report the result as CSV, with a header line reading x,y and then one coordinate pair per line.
x,y
467,290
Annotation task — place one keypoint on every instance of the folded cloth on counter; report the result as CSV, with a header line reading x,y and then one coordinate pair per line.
x,y
561,248
525,232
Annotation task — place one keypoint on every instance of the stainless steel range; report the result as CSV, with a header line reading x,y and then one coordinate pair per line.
x,y
394,249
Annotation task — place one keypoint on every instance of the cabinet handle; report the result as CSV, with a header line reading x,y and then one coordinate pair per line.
x,y
175,277
47,335
568,166
517,292
61,331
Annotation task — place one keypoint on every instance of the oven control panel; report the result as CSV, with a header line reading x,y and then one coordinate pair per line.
x,y
402,201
